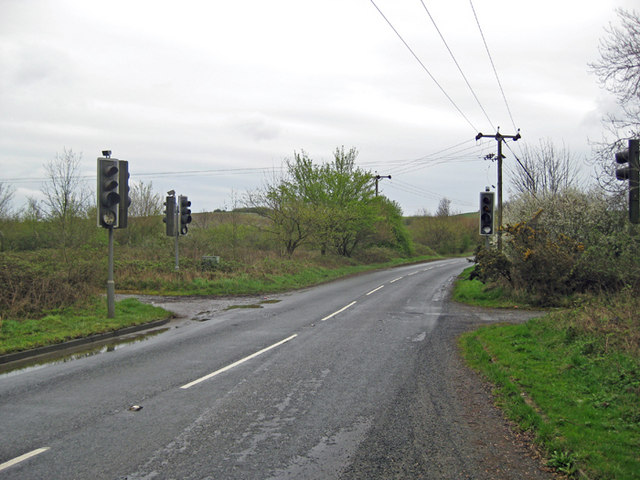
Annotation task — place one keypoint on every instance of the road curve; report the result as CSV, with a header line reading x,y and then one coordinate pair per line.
x,y
358,378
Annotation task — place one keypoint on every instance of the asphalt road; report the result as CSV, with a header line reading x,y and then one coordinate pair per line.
x,y
354,379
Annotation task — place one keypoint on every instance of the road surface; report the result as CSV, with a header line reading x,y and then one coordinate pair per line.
x,y
355,379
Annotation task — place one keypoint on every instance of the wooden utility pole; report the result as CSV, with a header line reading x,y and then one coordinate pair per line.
x,y
500,138
377,178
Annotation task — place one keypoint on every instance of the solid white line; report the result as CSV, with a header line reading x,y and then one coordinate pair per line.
x,y
375,290
235,364
396,279
335,313
22,458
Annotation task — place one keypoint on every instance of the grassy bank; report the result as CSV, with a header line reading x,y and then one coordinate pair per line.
x,y
71,323
265,276
474,292
573,379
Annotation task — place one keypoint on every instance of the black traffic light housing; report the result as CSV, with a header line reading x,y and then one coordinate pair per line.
x,y
123,190
170,216
108,192
632,173
113,192
486,212
185,213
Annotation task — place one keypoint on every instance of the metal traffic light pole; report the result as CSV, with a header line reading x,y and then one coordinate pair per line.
x,y
112,204
111,286
175,240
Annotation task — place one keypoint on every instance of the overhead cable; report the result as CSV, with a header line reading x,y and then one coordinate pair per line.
x,y
424,67
495,71
457,64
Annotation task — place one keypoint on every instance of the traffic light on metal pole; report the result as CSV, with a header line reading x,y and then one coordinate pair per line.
x,y
108,193
486,213
170,216
632,173
185,213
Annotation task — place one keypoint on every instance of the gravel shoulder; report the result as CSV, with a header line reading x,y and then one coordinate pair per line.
x,y
444,424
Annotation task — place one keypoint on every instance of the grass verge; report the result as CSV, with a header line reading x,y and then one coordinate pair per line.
x,y
274,277
474,292
573,379
77,322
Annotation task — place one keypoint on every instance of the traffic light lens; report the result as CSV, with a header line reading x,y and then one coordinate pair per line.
x,y
109,218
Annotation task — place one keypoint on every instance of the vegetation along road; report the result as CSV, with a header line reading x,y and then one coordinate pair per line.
x,y
357,378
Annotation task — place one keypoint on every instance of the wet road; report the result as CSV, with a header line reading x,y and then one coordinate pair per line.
x,y
346,380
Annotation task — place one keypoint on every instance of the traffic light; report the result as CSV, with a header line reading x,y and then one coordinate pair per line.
x,y
486,213
170,216
185,213
123,191
108,193
632,173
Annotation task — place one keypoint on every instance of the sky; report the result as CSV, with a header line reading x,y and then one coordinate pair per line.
x,y
210,98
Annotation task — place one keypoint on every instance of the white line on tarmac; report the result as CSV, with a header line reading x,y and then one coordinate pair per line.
x,y
375,290
22,458
235,364
339,311
396,279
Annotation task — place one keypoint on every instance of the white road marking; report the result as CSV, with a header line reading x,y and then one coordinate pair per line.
x,y
339,311
375,290
235,364
22,458
412,273
396,279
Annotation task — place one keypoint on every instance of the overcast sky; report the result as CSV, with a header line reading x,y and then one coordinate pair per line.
x,y
226,91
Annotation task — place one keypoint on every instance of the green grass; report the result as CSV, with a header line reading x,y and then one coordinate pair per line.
x,y
263,282
70,323
561,378
474,292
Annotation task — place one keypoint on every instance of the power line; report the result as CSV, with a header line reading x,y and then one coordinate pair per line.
x,y
424,67
495,71
457,64
430,161
183,173
422,192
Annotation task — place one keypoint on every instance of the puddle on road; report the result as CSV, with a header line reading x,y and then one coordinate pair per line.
x,y
41,361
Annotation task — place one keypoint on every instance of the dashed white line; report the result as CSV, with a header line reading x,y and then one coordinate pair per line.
x,y
339,311
22,458
235,364
396,279
375,290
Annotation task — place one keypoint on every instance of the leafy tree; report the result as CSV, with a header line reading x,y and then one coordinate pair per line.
x,y
289,216
347,198
330,203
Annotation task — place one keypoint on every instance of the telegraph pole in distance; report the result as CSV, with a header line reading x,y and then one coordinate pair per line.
x,y
500,138
378,178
